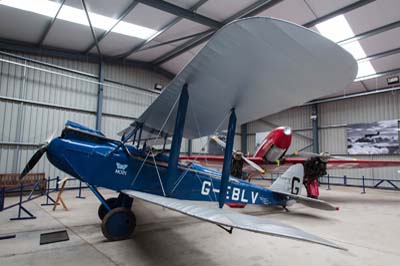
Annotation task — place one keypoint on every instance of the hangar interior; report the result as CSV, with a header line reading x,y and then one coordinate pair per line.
x,y
103,63
55,67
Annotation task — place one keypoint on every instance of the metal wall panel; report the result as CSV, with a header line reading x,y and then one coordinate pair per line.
x,y
298,118
384,106
134,76
335,116
36,100
30,81
333,120
126,101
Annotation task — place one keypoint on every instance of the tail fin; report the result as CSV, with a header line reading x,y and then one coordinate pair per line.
x,y
291,181
290,184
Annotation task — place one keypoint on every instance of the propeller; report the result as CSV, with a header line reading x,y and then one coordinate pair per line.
x,y
249,162
36,157
324,156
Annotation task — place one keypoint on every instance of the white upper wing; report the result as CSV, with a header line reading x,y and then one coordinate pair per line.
x,y
230,218
258,66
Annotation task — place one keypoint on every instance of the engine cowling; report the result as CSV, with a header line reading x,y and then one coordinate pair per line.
x,y
275,144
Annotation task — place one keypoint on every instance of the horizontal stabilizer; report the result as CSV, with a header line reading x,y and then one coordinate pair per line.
x,y
229,218
310,202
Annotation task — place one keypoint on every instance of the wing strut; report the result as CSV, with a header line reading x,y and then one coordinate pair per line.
x,y
177,139
226,168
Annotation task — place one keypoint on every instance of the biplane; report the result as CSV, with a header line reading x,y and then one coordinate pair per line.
x,y
250,68
271,157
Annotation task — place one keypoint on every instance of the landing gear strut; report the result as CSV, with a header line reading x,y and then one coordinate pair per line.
x,y
118,220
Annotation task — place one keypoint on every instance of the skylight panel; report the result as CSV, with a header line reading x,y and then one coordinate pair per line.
x,y
365,69
335,29
76,15
338,29
355,49
45,8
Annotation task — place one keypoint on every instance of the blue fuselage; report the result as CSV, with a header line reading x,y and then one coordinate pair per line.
x,y
102,162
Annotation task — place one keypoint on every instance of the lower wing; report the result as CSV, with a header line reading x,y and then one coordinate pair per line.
x,y
229,218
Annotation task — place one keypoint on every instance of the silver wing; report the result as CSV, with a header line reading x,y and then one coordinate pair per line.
x,y
230,219
259,66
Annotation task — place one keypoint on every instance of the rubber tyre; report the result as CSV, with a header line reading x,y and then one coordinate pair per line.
x,y
118,224
102,211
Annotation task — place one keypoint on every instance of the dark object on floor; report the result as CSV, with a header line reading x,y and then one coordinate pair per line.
x,y
2,237
53,237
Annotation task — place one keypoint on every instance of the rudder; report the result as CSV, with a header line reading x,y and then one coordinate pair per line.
x,y
291,181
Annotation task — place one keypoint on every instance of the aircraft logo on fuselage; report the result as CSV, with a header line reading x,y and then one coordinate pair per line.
x,y
121,169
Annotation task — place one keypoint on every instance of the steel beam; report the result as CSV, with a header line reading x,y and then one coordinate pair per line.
x,y
99,110
371,33
182,48
243,138
190,147
350,96
340,11
48,27
119,19
91,28
19,57
315,132
161,31
182,12
379,55
254,9
18,46
62,107
174,40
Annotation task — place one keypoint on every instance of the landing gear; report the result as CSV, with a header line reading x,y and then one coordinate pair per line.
x,y
118,224
112,202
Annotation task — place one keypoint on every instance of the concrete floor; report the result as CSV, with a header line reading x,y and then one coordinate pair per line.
x,y
367,225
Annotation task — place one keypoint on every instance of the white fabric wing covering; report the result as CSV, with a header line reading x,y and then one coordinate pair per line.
x,y
229,218
259,66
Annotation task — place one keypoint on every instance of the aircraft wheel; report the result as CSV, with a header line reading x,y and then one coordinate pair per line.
x,y
118,224
112,202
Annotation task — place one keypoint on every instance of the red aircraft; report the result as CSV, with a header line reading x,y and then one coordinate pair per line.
x,y
270,157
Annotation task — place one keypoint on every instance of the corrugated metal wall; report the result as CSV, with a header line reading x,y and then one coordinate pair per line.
x,y
335,116
297,118
333,120
37,100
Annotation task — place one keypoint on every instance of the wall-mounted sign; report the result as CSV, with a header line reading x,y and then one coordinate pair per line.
x,y
392,80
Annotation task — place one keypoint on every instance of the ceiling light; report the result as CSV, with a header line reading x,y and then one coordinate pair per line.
x,y
338,29
76,15
335,29
365,69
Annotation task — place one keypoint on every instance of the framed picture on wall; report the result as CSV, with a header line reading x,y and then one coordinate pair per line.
x,y
373,138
